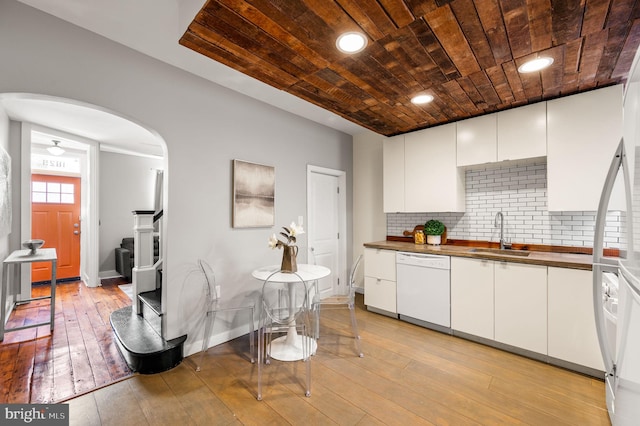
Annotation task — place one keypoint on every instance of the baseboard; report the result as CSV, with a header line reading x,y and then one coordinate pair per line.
x,y
108,274
215,340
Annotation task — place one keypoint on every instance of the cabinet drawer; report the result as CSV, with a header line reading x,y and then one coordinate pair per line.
x,y
380,264
381,294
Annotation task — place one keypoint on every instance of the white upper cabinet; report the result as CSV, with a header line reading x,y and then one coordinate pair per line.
x,y
476,141
583,132
513,134
433,183
522,132
393,174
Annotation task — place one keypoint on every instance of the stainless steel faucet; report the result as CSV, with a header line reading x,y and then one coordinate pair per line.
x,y
500,216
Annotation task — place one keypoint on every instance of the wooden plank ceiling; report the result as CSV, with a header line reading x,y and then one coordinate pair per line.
x,y
463,52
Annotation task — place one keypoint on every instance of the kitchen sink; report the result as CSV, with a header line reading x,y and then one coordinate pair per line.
x,y
501,252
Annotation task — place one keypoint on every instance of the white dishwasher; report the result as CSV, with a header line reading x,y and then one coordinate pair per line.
x,y
424,290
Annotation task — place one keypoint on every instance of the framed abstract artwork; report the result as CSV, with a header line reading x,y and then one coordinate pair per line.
x,y
254,187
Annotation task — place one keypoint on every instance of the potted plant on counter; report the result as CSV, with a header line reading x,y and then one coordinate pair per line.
x,y
434,230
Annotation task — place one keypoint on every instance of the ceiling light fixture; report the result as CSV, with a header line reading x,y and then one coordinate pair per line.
x,y
536,64
55,149
421,99
351,42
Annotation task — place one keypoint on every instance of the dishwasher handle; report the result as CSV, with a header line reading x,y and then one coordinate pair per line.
x,y
423,259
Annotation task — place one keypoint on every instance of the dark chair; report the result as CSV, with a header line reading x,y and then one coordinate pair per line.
x,y
124,256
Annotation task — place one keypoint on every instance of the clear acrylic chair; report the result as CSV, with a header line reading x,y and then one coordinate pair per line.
x,y
215,305
346,300
285,329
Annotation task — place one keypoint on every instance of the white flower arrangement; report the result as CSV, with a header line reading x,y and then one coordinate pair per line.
x,y
290,234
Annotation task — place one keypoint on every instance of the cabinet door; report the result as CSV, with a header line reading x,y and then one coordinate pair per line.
x,y
572,329
380,264
583,132
393,174
476,140
472,296
522,132
433,182
380,294
521,305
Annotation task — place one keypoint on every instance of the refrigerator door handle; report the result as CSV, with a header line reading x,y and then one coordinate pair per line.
x,y
600,264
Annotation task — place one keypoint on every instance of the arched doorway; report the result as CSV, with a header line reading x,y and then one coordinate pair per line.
x,y
90,132
97,130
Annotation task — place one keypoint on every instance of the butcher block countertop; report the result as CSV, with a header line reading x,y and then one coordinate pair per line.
x,y
544,258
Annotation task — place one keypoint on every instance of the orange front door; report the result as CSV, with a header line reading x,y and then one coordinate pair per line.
x,y
55,218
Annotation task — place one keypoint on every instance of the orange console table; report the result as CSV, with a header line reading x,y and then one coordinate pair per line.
x,y
24,256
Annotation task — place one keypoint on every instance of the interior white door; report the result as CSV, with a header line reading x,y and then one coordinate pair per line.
x,y
324,212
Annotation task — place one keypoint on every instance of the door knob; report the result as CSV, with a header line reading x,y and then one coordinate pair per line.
x,y
76,232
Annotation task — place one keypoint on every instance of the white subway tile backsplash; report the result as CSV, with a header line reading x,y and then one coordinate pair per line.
x,y
520,193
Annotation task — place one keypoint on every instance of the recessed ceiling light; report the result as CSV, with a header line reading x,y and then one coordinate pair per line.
x,y
421,99
535,64
351,42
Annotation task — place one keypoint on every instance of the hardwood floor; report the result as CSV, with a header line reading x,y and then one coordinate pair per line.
x,y
37,366
408,376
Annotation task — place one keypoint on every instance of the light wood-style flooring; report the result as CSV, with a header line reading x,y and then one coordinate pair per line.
x,y
409,376
38,366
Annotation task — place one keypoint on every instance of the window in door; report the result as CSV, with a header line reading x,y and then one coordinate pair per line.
x,y
52,192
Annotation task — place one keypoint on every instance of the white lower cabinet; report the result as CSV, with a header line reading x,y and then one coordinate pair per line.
x,y
572,329
380,279
546,310
501,301
472,296
521,305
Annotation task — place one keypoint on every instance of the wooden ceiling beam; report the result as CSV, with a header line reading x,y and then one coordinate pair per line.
x,y
540,28
467,16
490,16
628,52
463,52
566,21
446,29
398,11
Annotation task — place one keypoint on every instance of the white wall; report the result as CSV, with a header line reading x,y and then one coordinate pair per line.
x,y
205,127
127,183
4,239
370,223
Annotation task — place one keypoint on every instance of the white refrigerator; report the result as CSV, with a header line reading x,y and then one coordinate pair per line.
x,y
616,280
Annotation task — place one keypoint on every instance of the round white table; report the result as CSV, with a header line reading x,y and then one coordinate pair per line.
x,y
289,347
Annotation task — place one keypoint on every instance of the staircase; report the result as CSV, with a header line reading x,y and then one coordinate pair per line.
x,y
138,328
